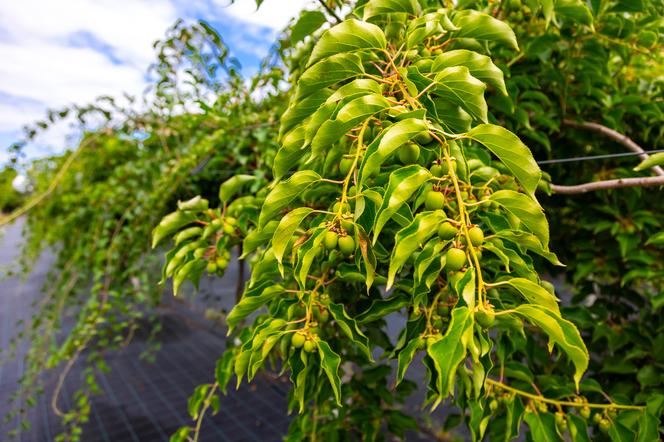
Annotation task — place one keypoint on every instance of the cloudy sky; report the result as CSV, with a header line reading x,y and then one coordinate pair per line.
x,y
55,53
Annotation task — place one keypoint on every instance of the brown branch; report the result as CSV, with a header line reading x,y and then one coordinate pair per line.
x,y
609,184
615,136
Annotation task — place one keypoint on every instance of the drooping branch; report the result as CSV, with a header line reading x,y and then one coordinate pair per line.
x,y
609,184
615,136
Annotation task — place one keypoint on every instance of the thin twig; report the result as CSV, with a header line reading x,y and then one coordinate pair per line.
x,y
609,184
615,136
330,11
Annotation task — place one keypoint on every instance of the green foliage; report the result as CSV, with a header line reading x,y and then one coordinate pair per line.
x,y
394,174
10,198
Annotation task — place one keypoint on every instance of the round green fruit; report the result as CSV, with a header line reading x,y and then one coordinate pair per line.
x,y
348,225
436,170
597,418
344,209
493,405
424,138
474,163
447,231
309,346
346,245
476,236
331,239
211,267
298,340
485,318
434,200
446,167
455,259
409,153
199,253
585,413
345,164
443,310
604,425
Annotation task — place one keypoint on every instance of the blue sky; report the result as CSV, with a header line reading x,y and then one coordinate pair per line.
x,y
56,53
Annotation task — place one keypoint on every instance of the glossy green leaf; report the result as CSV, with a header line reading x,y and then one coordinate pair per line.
x,y
456,85
512,152
284,193
232,186
307,253
653,160
326,72
542,426
411,238
406,357
347,36
403,183
380,308
224,369
576,10
170,224
350,328
482,26
306,25
330,362
535,294
379,7
527,210
480,66
530,243
394,137
300,110
251,301
284,232
450,351
561,332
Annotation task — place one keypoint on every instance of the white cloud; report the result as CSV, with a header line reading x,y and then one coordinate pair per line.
x,y
274,14
57,53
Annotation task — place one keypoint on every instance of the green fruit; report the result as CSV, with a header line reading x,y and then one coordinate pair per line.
x,y
437,322
344,209
221,262
421,344
309,346
436,170
597,418
476,236
409,153
455,259
585,413
346,245
345,164
424,138
228,229
493,405
330,240
560,418
425,52
485,318
298,340
352,191
474,163
443,310
604,425
277,324
434,200
199,253
348,225
211,267
447,231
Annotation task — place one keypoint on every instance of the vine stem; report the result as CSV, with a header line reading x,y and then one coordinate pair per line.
x,y
206,405
463,215
541,398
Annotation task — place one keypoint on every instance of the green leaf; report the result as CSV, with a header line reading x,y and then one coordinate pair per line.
x,y
348,117
481,26
299,370
560,332
450,351
411,238
284,232
535,294
307,253
406,357
298,111
224,369
330,362
284,193
456,85
578,430
308,22
378,7
577,10
512,152
191,270
252,300
332,70
480,66
394,137
187,234
350,328
170,224
652,161
542,426
231,186
350,35
529,242
403,183
527,210
290,153
380,308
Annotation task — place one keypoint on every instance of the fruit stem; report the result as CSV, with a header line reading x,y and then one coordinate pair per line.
x,y
360,147
541,398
